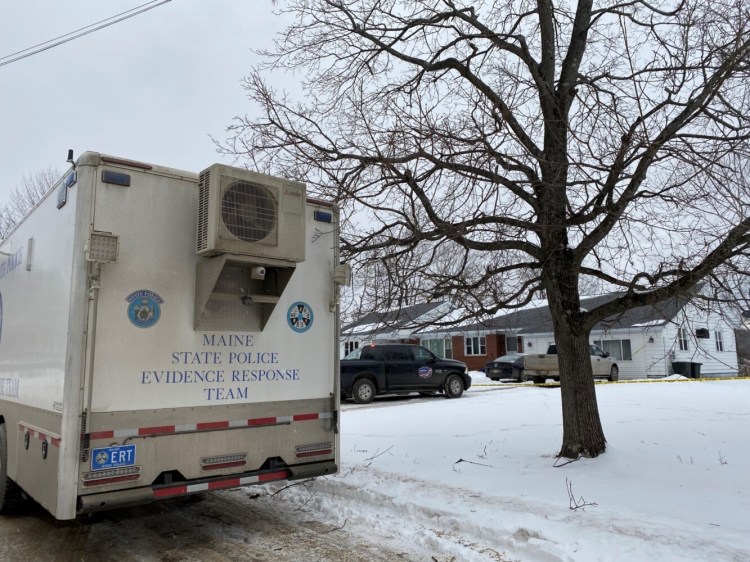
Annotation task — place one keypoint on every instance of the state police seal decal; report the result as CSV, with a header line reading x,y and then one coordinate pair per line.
x,y
300,317
144,309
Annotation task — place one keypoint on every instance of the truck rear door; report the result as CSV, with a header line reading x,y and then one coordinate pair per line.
x,y
170,401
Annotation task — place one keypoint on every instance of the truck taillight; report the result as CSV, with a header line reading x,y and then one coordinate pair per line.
x,y
316,450
223,461
111,476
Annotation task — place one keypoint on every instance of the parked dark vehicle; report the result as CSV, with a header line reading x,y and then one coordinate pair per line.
x,y
400,369
506,367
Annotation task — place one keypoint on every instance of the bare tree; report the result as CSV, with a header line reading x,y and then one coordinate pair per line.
x,y
25,196
494,151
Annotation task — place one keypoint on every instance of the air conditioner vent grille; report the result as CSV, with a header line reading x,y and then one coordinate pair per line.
x,y
249,211
203,209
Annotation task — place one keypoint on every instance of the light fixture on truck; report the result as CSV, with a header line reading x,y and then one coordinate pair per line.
x,y
223,461
111,476
316,450
102,247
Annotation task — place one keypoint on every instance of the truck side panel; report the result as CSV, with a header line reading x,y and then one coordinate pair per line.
x,y
36,288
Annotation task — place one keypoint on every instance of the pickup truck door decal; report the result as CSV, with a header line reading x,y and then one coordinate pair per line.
x,y
410,371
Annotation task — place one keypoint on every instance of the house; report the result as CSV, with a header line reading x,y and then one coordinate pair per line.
x,y
393,326
648,342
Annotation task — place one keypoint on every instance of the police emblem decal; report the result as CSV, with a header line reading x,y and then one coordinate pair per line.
x,y
300,317
144,309
425,372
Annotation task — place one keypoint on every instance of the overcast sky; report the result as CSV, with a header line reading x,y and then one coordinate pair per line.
x,y
150,88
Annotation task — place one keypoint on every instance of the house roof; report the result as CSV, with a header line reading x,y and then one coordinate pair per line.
x,y
407,317
537,319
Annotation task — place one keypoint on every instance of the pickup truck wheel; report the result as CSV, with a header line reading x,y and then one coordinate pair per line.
x,y
539,380
520,375
614,374
454,386
11,496
363,391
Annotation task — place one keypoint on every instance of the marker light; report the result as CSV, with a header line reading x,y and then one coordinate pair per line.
x,y
316,450
223,461
111,476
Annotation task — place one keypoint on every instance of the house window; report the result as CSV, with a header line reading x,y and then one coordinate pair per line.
x,y
719,341
618,349
441,348
513,343
350,346
476,345
682,339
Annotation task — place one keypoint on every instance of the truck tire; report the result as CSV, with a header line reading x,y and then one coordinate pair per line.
x,y
539,380
614,374
520,374
454,386
11,496
363,391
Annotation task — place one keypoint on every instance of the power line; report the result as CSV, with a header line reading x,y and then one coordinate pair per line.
x,y
46,45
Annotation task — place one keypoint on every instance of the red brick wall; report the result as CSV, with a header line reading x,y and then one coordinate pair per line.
x,y
495,348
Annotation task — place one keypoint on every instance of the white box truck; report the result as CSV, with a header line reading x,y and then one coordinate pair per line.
x,y
166,333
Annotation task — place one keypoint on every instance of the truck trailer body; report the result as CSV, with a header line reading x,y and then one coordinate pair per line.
x,y
166,333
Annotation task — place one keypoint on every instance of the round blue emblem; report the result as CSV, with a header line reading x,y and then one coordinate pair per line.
x,y
425,372
300,317
144,310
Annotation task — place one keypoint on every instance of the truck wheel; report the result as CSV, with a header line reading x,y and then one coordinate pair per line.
x,y
363,391
11,496
614,374
520,375
539,380
454,386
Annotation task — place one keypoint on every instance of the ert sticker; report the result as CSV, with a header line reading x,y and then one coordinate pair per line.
x,y
300,317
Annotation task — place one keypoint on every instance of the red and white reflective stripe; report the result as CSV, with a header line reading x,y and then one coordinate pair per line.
x,y
41,434
208,426
219,484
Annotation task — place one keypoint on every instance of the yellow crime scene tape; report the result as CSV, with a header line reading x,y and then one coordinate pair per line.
x,y
629,381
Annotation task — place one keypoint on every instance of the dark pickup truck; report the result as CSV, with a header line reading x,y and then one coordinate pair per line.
x,y
400,369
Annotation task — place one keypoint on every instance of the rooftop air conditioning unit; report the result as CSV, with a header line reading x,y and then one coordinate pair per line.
x,y
250,214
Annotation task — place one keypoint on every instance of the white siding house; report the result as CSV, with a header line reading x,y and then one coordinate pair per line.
x,y
392,326
673,337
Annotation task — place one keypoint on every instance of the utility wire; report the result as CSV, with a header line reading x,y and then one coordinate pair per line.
x,y
46,45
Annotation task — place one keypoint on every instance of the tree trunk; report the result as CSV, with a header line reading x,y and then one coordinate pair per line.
x,y
582,429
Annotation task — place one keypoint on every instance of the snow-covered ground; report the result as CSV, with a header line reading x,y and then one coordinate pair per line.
x,y
475,478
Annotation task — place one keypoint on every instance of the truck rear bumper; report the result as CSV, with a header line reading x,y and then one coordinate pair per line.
x,y
137,496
